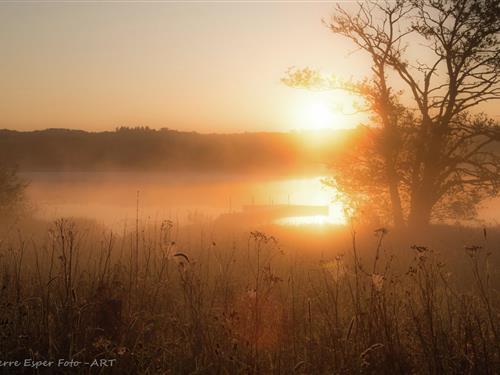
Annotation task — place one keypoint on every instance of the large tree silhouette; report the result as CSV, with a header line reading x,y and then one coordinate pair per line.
x,y
431,157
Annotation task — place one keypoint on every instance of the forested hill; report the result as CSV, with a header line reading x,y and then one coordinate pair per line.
x,y
132,149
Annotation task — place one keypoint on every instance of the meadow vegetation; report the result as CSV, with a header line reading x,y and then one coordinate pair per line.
x,y
164,298
214,297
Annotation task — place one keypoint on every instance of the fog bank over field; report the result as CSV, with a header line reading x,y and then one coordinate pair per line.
x,y
111,197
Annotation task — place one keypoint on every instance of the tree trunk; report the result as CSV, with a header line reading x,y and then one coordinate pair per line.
x,y
423,197
391,144
425,175
396,207
420,214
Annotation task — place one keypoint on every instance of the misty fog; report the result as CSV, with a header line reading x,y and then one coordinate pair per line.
x,y
111,198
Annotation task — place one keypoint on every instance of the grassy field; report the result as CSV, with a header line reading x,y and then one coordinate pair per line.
x,y
196,299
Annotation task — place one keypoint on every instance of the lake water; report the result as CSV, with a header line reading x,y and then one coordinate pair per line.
x,y
112,198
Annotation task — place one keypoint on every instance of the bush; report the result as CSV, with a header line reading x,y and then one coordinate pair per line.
x,y
12,189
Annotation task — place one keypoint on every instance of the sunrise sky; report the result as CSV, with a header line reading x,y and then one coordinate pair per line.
x,y
204,67
208,67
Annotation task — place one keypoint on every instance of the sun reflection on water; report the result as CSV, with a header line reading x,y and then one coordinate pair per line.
x,y
335,216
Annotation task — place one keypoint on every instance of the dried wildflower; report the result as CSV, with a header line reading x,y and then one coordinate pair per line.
x,y
261,236
328,265
422,252
472,250
334,268
381,231
102,343
378,282
421,256
371,349
298,366
270,277
420,249
121,350
182,255
365,355
252,293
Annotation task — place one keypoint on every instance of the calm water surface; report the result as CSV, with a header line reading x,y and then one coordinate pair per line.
x,y
112,197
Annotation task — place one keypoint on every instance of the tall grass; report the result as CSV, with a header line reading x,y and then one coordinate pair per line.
x,y
161,299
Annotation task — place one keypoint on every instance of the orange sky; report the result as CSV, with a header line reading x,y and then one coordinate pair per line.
x,y
208,67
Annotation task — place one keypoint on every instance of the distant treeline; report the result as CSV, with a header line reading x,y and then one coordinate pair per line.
x,y
142,148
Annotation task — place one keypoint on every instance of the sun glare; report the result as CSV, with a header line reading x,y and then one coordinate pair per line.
x,y
311,191
335,217
319,115
327,110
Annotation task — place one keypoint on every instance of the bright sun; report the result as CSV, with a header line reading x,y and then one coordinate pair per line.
x,y
320,110
320,116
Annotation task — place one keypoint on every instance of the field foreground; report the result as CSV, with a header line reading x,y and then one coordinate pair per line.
x,y
158,299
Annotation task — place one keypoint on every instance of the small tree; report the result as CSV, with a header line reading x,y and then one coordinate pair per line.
x,y
12,190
